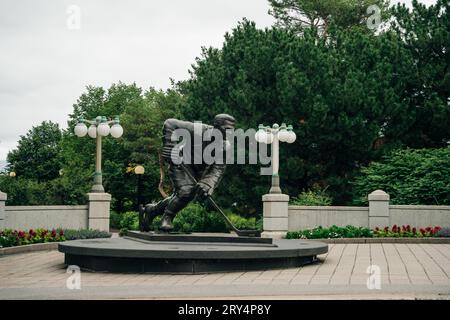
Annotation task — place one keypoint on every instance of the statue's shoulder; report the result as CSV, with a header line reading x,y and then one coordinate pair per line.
x,y
173,124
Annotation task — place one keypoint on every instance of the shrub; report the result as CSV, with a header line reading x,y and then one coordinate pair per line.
x,y
129,220
361,232
195,218
443,233
123,232
11,238
241,222
114,221
330,233
409,176
71,234
315,197
69,189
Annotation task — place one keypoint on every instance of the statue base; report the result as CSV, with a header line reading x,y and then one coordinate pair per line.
x,y
150,252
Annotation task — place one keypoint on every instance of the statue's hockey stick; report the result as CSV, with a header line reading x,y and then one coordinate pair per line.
x,y
240,233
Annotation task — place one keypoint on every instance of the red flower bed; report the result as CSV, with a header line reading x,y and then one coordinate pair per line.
x,y
11,238
406,231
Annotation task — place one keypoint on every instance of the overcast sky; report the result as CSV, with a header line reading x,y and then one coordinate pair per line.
x,y
45,61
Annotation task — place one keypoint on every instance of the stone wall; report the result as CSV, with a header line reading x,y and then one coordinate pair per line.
x,y
94,215
48,217
421,216
307,217
279,217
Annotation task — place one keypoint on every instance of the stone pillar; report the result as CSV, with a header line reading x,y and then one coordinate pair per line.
x,y
3,198
378,209
99,207
275,215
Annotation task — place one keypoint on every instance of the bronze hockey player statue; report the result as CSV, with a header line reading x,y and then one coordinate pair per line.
x,y
191,176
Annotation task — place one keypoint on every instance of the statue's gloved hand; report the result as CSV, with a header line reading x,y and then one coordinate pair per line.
x,y
203,190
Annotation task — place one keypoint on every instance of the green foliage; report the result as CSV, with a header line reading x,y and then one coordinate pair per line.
x,y
21,191
443,233
66,190
71,234
242,222
114,220
316,197
195,218
361,232
339,95
330,233
37,154
129,220
425,33
144,118
142,115
299,15
409,177
351,97
79,153
123,232
142,140
11,238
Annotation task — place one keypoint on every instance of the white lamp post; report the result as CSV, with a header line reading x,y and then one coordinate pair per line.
x,y
273,135
99,127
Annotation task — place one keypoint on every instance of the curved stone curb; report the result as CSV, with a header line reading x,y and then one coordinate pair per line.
x,y
188,257
29,248
387,240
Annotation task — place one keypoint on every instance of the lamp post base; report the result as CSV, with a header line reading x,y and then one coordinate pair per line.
x,y
98,182
275,184
97,188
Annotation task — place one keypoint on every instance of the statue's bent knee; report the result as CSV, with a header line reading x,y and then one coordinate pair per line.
x,y
186,193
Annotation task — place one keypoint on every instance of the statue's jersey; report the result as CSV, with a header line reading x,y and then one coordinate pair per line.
x,y
190,136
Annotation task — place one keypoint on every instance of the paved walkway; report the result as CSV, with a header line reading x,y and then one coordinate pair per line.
x,y
405,270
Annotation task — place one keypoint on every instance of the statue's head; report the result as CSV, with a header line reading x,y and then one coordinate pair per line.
x,y
223,122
